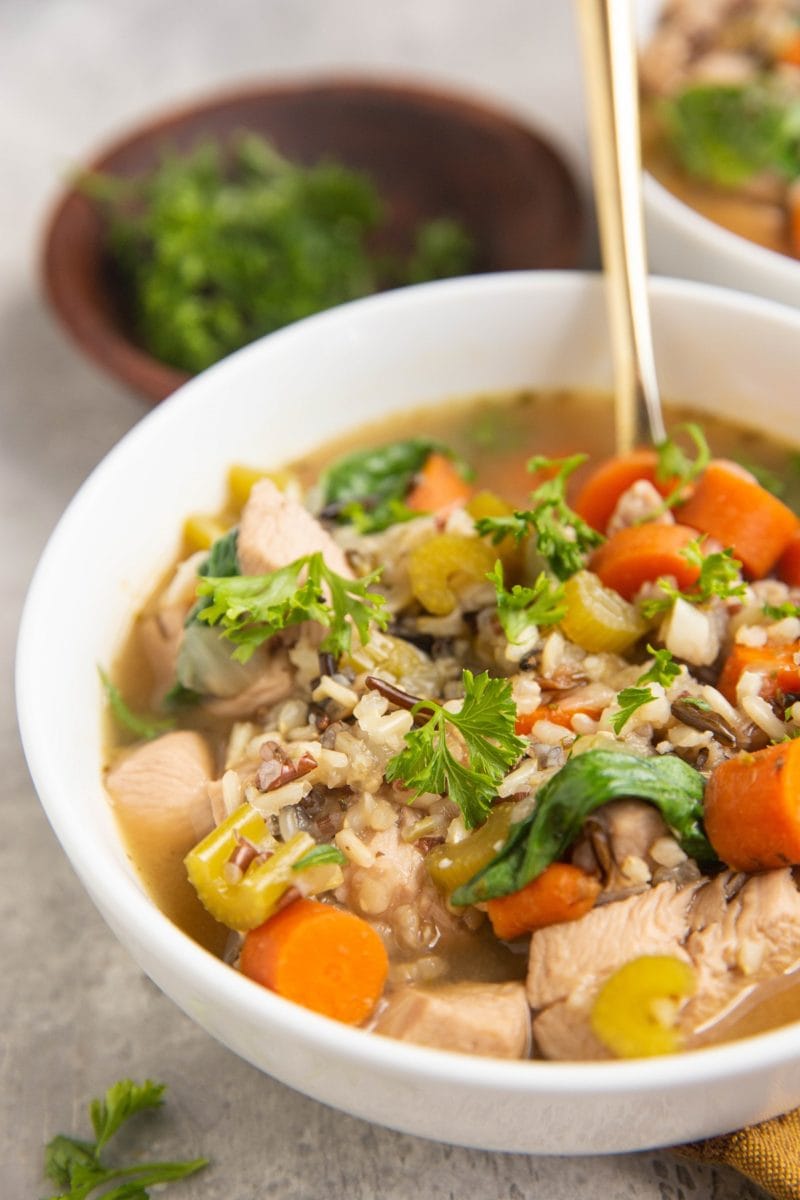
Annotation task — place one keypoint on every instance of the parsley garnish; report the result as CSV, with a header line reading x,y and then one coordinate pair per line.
x,y
629,700
675,464
75,1168
486,725
562,537
521,610
719,576
696,702
252,608
664,671
778,611
320,855
143,727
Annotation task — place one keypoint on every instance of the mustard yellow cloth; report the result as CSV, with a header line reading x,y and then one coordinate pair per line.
x,y
769,1154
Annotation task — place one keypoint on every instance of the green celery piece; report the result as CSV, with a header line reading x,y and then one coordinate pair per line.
x,y
582,785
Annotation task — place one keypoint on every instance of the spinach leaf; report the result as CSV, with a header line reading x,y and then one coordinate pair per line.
x,y
222,557
582,785
369,486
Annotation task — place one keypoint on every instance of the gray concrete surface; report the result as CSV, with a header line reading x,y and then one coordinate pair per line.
x,y
77,1013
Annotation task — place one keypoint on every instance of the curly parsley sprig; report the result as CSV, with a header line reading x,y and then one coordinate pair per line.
x,y
674,466
664,671
720,576
486,725
523,609
250,609
562,537
75,1167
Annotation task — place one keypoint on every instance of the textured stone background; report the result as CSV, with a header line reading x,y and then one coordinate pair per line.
x,y
77,1012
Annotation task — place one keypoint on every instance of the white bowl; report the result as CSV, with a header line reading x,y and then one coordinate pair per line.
x,y
725,353
683,243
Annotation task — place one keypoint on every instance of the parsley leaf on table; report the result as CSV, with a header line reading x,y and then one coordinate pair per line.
x,y
486,725
74,1166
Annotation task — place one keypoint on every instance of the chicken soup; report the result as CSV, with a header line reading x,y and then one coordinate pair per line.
x,y
464,732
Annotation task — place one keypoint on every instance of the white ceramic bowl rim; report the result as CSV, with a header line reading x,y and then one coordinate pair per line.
x,y
127,904
724,241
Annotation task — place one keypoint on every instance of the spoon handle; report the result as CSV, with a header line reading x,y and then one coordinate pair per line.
x,y
609,52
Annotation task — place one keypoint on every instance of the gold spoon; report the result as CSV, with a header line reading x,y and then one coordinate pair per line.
x,y
609,53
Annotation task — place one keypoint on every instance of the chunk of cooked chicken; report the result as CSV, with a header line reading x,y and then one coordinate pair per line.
x,y
491,1019
160,792
276,529
736,934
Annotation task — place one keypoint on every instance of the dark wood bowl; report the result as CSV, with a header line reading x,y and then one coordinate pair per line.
x,y
430,153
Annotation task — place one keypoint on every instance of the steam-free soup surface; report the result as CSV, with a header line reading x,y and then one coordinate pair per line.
x,y
496,436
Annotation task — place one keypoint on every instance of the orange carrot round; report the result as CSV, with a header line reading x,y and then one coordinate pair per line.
x,y
561,893
729,505
752,808
788,565
438,485
598,497
325,959
560,714
643,553
776,663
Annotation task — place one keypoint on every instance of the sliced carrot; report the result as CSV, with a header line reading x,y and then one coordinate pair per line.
x,y
776,663
729,505
752,808
598,497
559,714
438,485
794,212
561,893
643,553
325,959
789,50
788,565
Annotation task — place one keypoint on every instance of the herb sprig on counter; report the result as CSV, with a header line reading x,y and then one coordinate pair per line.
x,y
75,1166
221,245
486,725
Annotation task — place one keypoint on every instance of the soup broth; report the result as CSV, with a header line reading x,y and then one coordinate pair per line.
x,y
431,942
